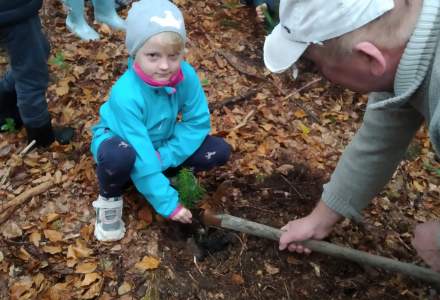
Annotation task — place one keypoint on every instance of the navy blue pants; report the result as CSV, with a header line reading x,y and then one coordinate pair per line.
x,y
116,159
28,51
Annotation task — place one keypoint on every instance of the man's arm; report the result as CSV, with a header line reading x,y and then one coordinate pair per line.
x,y
362,171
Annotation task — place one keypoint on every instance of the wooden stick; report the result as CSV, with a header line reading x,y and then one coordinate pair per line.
x,y
361,257
21,154
9,207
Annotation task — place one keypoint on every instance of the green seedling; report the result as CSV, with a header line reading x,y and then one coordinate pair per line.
x,y
190,190
59,61
432,169
9,125
204,81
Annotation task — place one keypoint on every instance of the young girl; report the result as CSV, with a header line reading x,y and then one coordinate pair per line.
x,y
138,135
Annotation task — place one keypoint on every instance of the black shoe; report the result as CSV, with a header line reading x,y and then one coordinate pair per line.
x,y
46,135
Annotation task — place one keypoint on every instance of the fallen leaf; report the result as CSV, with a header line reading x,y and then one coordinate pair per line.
x,y
124,288
317,269
53,235
85,268
35,238
12,230
237,279
90,278
147,263
93,291
24,255
80,250
271,269
52,249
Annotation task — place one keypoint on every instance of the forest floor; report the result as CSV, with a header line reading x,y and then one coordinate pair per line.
x,y
287,136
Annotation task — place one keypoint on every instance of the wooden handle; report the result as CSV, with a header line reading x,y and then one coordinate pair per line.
x,y
361,257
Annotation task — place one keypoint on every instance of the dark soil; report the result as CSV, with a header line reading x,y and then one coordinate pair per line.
x,y
211,263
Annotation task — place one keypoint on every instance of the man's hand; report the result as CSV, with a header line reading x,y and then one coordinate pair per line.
x,y
426,242
317,225
183,216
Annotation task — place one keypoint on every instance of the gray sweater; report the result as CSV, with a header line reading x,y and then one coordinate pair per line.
x,y
391,121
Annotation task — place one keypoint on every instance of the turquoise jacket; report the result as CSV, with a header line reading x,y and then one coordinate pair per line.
x,y
146,117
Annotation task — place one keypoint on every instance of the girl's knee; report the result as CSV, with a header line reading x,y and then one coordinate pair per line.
x,y
224,153
116,154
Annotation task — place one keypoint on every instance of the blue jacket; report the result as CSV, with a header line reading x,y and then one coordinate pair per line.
x,y
146,118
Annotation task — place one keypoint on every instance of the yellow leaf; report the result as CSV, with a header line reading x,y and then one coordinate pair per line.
x,y
53,235
305,130
147,263
85,268
52,249
35,238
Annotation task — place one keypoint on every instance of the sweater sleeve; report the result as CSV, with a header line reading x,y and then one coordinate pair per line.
x,y
194,126
146,174
370,159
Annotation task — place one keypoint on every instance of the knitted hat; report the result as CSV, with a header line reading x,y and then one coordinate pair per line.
x,y
147,18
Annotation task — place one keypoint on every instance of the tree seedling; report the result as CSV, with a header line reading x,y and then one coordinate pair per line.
x,y
190,190
9,125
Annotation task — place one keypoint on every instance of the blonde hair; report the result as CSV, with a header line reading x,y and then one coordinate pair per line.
x,y
173,41
391,30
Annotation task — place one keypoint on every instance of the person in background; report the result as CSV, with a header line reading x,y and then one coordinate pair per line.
x,y
23,86
391,49
104,12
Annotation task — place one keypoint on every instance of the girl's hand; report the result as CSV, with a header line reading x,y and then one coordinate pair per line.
x,y
260,9
183,216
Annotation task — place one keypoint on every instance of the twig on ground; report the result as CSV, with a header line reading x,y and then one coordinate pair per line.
x,y
293,187
234,62
12,205
235,99
245,120
297,91
197,266
21,154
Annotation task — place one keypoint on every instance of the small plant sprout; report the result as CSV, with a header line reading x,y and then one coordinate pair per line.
x,y
190,190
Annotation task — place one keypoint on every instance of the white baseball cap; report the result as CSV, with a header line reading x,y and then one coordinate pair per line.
x,y
303,22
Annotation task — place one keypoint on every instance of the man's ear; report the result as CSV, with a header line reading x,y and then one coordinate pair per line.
x,y
376,58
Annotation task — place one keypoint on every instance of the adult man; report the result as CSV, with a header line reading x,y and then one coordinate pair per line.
x,y
23,87
391,49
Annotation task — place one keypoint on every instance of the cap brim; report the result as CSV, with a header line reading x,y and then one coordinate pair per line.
x,y
281,53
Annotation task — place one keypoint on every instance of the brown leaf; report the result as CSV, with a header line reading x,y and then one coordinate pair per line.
x,y
271,269
85,268
52,249
35,238
90,278
124,288
237,279
53,235
80,250
145,214
147,263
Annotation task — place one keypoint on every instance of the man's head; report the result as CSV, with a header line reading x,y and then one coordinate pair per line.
x,y
357,44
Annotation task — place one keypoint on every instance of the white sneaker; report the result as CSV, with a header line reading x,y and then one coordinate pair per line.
x,y
109,225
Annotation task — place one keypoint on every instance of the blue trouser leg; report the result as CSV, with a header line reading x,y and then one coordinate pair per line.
x,y
213,152
115,161
28,51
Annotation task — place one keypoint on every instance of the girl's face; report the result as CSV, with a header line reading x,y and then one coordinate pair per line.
x,y
158,59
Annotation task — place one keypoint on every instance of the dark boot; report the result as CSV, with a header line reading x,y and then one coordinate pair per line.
x,y
9,110
46,135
